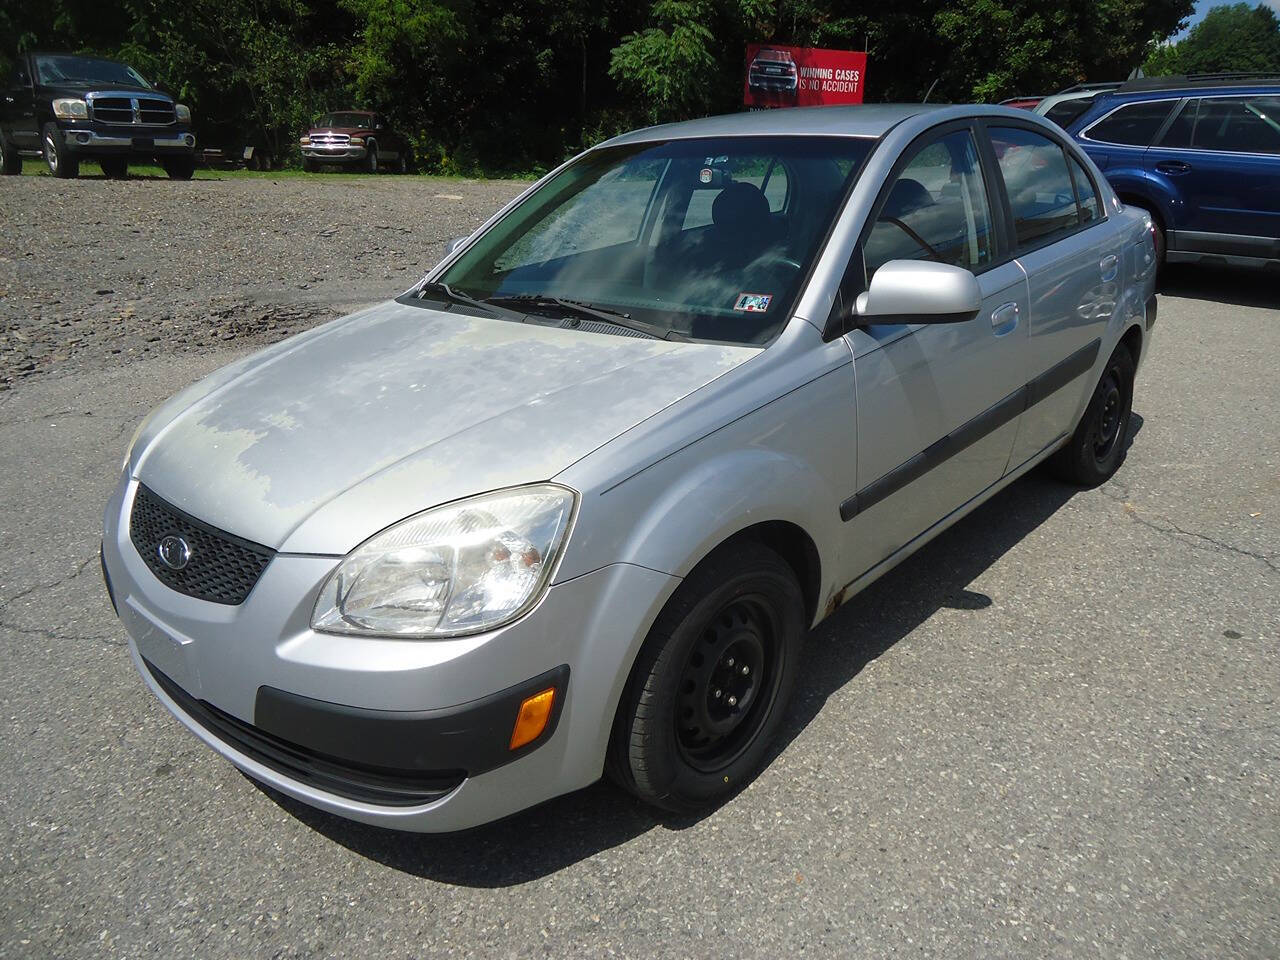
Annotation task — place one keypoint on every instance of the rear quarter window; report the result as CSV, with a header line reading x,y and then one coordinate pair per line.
x,y
1134,125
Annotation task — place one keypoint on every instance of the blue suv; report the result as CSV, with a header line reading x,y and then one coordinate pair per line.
x,y
1200,153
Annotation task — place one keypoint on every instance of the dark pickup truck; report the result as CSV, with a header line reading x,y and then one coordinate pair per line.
x,y
69,108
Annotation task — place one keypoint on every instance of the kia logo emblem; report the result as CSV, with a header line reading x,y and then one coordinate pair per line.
x,y
174,552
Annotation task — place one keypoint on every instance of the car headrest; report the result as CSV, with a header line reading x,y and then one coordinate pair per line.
x,y
907,195
741,208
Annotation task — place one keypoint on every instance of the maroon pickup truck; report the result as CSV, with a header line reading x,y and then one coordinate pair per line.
x,y
354,138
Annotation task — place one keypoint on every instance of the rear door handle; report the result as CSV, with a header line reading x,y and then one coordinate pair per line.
x,y
1004,318
1173,167
1110,266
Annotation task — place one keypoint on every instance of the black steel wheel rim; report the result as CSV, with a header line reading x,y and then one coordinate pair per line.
x,y
1110,419
729,683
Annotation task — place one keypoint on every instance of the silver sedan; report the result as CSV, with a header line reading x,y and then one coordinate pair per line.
x,y
569,505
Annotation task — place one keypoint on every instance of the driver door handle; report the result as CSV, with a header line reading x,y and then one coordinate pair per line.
x,y
1173,167
1004,318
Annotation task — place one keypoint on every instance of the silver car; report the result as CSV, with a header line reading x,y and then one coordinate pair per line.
x,y
570,504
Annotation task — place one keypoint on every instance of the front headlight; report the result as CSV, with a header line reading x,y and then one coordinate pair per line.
x,y
70,108
182,112
358,141
461,568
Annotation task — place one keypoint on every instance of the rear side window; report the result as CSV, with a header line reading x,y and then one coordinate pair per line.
x,y
1039,184
1086,196
1134,125
1238,124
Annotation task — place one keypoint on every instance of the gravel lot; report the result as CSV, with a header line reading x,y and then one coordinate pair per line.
x,y
96,271
1053,732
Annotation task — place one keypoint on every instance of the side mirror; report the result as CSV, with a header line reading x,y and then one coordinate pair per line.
x,y
454,244
919,291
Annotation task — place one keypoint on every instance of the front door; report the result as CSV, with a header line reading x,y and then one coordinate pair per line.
x,y
936,421
19,116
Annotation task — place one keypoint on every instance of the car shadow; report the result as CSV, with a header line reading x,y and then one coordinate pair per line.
x,y
545,839
1239,286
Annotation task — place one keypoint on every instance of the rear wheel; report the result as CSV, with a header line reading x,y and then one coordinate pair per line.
x,y
61,162
1097,448
371,159
180,168
10,159
712,681
117,168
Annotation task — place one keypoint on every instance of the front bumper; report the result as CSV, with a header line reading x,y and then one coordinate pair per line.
x,y
101,140
333,151
253,681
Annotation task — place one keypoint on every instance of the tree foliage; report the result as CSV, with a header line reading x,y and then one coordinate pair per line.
x,y
518,84
1230,38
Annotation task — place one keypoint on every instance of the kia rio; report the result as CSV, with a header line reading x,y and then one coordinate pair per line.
x,y
569,505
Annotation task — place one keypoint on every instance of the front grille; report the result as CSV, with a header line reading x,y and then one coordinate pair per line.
x,y
151,111
113,109
330,138
356,782
156,111
222,568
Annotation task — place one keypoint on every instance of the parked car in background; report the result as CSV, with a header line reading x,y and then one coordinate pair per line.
x,y
68,108
1202,154
1021,102
572,502
1065,105
354,138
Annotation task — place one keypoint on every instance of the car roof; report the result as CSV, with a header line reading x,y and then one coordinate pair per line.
x,y
865,120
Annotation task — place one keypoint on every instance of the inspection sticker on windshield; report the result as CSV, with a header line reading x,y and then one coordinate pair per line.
x,y
753,302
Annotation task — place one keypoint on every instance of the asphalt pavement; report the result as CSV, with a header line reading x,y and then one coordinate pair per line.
x,y
1053,732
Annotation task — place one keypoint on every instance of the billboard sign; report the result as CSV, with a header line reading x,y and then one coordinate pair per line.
x,y
802,76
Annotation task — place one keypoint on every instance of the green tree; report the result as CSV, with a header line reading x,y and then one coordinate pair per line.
x,y
1229,38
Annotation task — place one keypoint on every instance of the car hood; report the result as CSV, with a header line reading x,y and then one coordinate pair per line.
x,y
80,88
319,442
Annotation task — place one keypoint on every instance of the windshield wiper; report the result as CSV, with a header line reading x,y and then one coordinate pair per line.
x,y
429,291
580,309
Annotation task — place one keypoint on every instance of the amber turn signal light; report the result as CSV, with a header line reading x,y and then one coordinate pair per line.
x,y
533,717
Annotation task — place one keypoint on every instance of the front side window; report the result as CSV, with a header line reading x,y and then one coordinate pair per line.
x,y
707,238
1134,125
84,71
936,210
1238,125
1038,182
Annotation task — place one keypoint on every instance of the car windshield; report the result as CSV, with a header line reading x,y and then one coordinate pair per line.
x,y
54,70
345,120
708,239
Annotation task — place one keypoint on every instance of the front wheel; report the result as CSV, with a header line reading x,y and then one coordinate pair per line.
x,y
371,159
1097,447
712,681
10,159
180,168
61,162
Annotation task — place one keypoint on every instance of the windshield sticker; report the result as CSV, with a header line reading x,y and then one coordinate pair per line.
x,y
706,175
753,302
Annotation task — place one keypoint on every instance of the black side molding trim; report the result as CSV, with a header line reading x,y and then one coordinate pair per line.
x,y
971,431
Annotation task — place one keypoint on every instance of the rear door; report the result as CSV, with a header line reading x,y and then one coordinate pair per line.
x,y
1073,258
1224,154
934,423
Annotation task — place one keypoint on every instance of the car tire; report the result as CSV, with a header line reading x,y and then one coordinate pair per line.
x,y
61,163
402,163
309,166
691,728
371,159
180,168
114,168
1098,445
10,159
